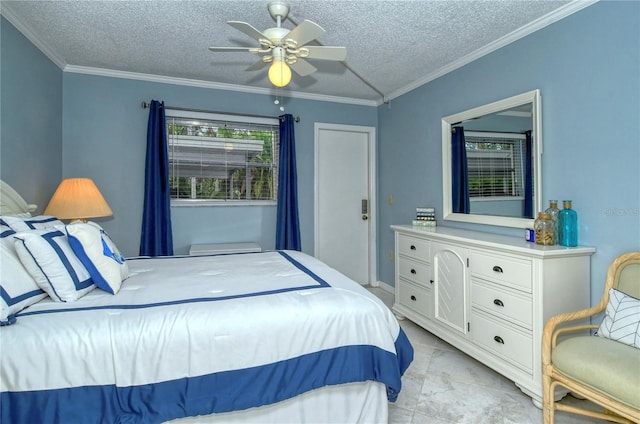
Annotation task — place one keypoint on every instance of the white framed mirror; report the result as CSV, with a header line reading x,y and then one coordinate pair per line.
x,y
491,163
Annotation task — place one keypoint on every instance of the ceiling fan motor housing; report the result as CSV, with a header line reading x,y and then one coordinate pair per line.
x,y
276,35
278,8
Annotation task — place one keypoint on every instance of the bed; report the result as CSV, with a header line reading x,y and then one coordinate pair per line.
x,y
275,336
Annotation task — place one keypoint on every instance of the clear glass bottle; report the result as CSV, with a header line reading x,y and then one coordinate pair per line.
x,y
554,211
567,225
544,229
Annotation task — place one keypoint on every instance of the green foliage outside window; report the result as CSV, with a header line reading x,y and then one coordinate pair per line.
x,y
489,186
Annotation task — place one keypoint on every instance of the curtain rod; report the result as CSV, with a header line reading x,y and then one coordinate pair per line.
x,y
145,105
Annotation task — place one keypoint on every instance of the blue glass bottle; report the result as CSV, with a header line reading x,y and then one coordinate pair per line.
x,y
567,225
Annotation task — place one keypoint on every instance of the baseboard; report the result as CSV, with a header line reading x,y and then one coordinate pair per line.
x,y
386,287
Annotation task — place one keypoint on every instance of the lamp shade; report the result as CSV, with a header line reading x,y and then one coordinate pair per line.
x,y
77,198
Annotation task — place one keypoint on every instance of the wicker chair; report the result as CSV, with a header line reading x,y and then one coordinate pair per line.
x,y
603,371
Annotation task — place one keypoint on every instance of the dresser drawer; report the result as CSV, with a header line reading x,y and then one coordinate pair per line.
x,y
497,301
414,247
417,298
511,271
415,271
508,343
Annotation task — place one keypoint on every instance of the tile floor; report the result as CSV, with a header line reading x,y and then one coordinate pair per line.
x,y
444,386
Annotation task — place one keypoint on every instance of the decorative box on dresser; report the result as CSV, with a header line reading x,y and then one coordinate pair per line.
x,y
488,295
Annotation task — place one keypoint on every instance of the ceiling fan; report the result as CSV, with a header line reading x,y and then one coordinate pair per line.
x,y
285,49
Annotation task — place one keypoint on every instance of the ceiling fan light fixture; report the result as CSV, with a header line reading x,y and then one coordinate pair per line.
x,y
279,73
285,49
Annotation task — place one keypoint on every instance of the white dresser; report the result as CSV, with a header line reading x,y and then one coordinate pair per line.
x,y
488,295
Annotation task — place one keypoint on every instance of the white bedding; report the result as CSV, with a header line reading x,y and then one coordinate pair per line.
x,y
198,335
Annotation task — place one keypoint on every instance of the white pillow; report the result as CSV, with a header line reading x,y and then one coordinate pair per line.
x,y
99,254
17,288
25,223
49,259
622,319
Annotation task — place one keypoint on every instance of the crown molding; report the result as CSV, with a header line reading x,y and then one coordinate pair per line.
x,y
538,24
8,13
556,15
214,85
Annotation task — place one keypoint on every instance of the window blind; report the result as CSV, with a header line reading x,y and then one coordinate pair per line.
x,y
217,157
495,163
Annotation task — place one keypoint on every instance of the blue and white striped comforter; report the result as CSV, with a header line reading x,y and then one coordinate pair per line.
x,y
190,336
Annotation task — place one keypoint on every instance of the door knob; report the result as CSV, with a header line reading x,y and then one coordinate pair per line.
x,y
365,217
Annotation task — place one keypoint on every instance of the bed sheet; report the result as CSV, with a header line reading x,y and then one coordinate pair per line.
x,y
191,336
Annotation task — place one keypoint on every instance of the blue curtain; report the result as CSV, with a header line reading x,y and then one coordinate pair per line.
x,y
157,238
528,177
459,176
288,225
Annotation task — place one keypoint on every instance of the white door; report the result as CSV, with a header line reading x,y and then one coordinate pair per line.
x,y
344,199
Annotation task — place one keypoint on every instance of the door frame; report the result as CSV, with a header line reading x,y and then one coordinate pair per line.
x,y
372,190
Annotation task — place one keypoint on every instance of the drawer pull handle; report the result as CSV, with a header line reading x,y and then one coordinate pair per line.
x,y
497,269
413,298
498,302
413,247
498,339
413,271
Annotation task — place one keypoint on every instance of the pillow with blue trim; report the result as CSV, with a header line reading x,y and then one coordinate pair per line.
x,y
18,289
99,254
622,319
48,257
26,223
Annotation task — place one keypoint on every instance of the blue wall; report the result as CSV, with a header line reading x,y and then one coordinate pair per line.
x,y
104,131
587,67
30,118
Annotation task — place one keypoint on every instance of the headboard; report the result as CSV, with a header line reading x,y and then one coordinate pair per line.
x,y
11,202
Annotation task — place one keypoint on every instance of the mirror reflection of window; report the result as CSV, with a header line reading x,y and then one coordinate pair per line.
x,y
497,173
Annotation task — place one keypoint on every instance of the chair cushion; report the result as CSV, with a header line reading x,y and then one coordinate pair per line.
x,y
603,364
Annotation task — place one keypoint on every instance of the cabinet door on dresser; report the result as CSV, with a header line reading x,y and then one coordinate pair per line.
x,y
450,285
414,281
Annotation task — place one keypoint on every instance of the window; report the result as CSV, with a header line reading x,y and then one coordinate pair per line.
x,y
495,164
219,159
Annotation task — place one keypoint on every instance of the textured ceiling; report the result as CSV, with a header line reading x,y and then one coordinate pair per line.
x,y
394,45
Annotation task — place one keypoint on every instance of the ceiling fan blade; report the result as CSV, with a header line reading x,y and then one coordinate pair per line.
x,y
257,66
232,49
327,52
302,67
305,32
248,29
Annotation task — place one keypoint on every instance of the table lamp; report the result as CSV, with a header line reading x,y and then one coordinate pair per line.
x,y
77,198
